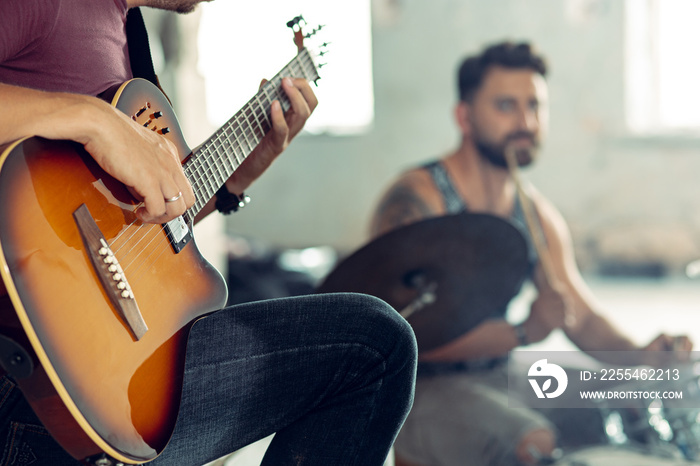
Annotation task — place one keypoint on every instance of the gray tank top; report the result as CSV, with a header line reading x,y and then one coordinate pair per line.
x,y
454,204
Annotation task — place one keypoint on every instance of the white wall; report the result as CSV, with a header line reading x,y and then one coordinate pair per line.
x,y
626,199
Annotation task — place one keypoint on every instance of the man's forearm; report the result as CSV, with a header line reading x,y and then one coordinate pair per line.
x,y
597,334
493,338
29,112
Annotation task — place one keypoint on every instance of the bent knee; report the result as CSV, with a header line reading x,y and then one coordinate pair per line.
x,y
391,326
369,310
536,444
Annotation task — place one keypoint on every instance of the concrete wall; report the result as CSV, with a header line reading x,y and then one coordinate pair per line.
x,y
629,201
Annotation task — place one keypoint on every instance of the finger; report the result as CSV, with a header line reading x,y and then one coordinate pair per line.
x,y
689,344
667,342
569,318
177,193
300,107
659,343
173,209
183,186
174,179
682,343
280,129
153,203
307,92
166,203
676,344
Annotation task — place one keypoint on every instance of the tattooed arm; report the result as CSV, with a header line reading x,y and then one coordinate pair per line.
x,y
411,198
415,197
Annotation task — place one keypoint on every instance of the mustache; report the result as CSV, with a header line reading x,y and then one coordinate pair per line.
x,y
521,134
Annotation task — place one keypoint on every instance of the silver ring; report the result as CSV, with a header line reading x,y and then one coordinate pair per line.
x,y
174,198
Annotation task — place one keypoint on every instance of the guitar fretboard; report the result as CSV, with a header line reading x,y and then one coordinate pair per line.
x,y
218,157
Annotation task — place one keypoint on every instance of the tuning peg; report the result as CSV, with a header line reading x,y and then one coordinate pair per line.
x,y
295,21
314,31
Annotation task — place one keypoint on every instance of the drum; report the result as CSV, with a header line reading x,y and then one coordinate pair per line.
x,y
652,427
663,427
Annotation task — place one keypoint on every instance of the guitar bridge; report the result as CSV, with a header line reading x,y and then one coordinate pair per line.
x,y
110,272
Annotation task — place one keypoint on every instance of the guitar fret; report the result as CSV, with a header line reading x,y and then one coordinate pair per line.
x,y
228,164
257,129
266,123
245,125
301,68
230,143
217,158
247,141
239,136
221,178
250,137
282,100
223,140
227,161
268,100
207,170
261,127
196,173
206,162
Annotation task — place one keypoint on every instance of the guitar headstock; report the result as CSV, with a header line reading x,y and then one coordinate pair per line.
x,y
308,41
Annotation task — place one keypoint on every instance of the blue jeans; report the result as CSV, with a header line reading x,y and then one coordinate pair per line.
x,y
332,375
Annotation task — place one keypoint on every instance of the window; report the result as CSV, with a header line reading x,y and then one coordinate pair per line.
x,y
242,42
662,70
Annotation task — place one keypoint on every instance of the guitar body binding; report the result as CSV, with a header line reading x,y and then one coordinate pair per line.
x,y
72,347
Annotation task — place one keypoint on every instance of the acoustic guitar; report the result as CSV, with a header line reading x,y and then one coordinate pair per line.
x,y
96,307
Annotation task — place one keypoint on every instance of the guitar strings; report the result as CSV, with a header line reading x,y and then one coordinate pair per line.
x,y
248,131
249,127
251,116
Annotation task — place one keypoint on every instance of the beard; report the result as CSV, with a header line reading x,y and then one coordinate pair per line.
x,y
494,153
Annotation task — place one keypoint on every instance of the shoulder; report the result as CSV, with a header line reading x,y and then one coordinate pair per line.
x,y
410,198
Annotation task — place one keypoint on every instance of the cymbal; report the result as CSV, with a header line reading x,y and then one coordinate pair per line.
x,y
446,274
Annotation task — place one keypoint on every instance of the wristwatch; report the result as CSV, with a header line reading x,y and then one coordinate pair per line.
x,y
521,334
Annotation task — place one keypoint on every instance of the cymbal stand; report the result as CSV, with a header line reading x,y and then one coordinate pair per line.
x,y
426,289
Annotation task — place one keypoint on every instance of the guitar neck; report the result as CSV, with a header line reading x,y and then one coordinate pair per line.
x,y
218,157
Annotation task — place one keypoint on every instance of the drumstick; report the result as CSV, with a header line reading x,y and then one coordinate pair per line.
x,y
533,225
535,230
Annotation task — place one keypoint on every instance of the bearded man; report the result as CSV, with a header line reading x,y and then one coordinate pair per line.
x,y
462,414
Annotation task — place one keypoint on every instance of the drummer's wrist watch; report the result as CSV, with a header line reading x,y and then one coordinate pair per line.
x,y
521,335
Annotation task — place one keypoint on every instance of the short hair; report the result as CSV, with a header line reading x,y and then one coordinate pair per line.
x,y
506,54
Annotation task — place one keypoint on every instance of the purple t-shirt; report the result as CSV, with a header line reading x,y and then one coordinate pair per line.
x,y
64,45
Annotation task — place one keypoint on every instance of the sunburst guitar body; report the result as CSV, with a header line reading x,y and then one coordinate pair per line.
x,y
121,390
